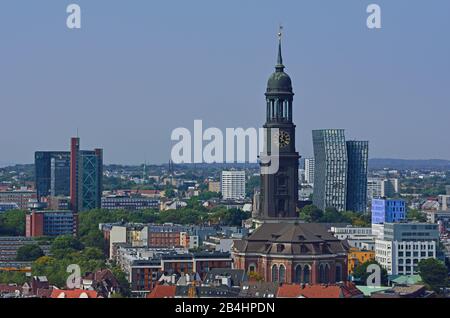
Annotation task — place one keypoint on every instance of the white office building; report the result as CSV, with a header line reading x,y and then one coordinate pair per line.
x,y
405,245
233,185
359,237
379,188
309,170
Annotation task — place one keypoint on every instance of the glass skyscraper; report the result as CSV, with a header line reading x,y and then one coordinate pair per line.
x,y
357,160
86,177
340,171
52,173
330,172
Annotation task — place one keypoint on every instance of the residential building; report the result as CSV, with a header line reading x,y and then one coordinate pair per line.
x,y
8,206
444,201
133,234
144,267
22,197
357,237
131,203
233,185
343,290
168,235
357,257
51,223
214,186
9,245
309,170
404,245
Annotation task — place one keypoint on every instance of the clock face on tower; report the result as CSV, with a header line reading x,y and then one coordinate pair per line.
x,y
281,139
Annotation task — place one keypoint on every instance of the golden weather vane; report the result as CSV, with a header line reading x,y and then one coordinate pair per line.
x,y
280,32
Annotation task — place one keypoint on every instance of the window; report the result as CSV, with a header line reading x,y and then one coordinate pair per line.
x,y
274,273
306,274
298,274
338,272
282,274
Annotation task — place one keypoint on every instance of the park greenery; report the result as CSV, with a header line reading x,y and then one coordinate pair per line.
x,y
434,274
87,250
12,223
415,215
29,252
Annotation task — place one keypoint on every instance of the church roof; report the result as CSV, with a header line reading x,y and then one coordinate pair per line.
x,y
291,239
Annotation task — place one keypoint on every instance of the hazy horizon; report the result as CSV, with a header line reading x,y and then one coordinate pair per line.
x,y
136,71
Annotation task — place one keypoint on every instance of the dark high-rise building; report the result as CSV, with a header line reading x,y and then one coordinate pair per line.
x,y
340,171
357,161
86,173
330,170
52,173
279,191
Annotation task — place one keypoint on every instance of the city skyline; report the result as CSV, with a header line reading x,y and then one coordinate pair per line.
x,y
326,49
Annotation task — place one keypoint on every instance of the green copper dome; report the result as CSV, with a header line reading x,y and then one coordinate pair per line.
x,y
279,81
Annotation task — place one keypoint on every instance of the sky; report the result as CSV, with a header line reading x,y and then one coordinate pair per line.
x,y
138,69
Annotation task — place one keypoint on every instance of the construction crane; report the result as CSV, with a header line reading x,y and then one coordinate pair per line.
x,y
14,269
192,292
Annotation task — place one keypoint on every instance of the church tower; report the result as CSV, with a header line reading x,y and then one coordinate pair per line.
x,y
279,191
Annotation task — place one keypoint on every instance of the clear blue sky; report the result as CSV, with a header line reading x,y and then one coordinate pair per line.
x,y
138,69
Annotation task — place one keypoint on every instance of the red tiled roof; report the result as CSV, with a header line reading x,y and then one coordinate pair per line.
x,y
347,290
4,288
162,291
75,293
44,292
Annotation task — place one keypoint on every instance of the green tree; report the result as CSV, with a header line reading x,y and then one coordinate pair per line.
x,y
332,215
360,273
433,273
64,245
29,252
252,183
416,215
311,214
12,223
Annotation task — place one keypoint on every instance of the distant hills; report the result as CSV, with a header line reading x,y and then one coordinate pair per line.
x,y
401,164
375,163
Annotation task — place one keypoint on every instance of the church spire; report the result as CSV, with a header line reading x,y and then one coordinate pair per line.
x,y
280,67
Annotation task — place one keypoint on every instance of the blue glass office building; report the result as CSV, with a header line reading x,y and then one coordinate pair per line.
x,y
388,211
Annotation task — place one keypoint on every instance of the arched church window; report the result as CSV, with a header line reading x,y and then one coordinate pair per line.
x,y
274,273
298,274
282,275
338,272
306,274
